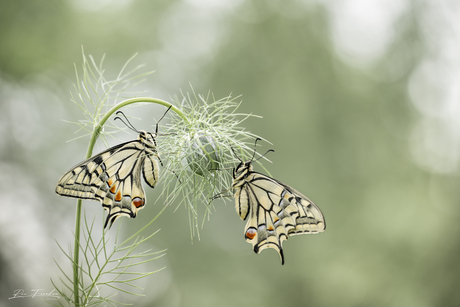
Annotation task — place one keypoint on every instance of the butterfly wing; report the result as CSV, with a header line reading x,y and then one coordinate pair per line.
x,y
274,211
113,177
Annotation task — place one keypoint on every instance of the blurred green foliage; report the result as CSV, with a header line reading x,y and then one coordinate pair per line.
x,y
342,135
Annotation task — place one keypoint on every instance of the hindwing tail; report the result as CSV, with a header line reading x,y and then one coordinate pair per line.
x,y
274,211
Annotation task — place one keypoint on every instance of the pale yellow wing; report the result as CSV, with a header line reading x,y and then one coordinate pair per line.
x,y
113,177
274,211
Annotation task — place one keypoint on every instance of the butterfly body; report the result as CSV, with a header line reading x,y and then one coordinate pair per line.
x,y
273,210
113,177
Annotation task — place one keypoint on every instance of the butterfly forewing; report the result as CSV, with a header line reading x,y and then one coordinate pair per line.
x,y
113,177
274,211
83,180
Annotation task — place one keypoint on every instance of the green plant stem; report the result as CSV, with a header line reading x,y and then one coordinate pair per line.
x,y
96,131
119,246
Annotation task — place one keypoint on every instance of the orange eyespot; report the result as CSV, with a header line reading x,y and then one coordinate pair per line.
x,y
113,188
251,233
138,202
118,196
271,228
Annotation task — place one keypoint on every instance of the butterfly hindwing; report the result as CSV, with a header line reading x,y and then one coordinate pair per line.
x,y
113,177
274,211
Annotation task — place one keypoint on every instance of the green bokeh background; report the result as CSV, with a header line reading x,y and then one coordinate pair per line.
x,y
343,121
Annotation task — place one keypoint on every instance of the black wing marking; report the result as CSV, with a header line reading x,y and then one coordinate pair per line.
x,y
274,211
113,177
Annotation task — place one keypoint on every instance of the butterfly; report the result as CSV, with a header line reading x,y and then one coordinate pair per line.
x,y
113,176
273,210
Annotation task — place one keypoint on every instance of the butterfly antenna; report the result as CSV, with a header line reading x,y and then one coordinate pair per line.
x,y
161,119
270,150
255,147
126,121
236,154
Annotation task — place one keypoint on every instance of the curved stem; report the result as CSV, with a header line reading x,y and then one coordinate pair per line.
x,y
96,131
116,107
